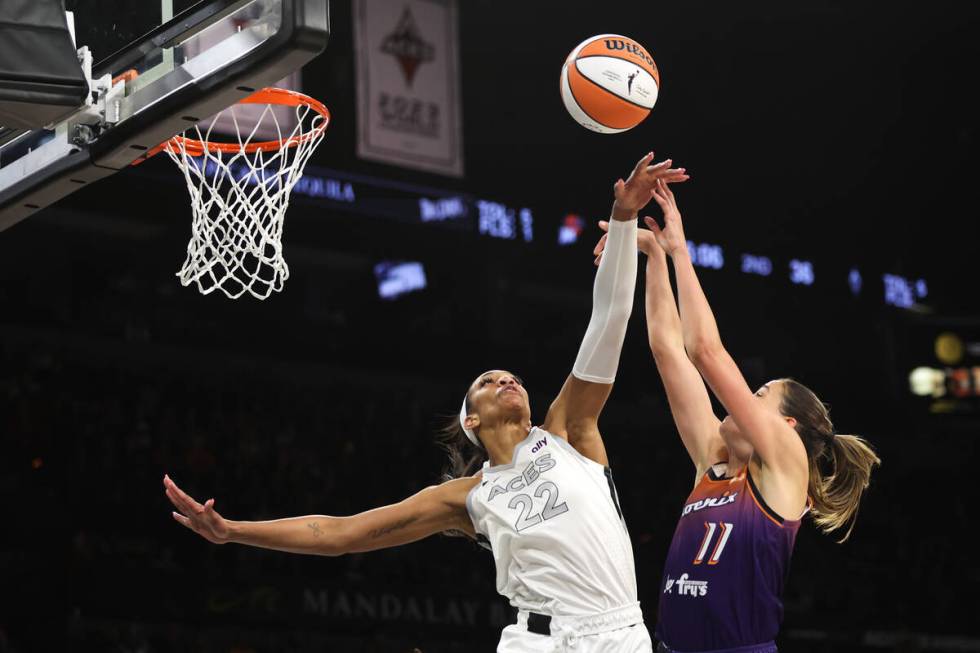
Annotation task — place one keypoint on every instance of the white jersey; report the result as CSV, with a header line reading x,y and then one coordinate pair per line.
x,y
552,519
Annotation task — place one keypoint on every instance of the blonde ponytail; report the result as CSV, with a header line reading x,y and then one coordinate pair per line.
x,y
837,495
840,465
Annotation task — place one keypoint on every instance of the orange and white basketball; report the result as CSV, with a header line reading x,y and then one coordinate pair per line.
x,y
609,83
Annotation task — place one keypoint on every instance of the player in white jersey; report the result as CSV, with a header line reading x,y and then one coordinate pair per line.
x,y
544,501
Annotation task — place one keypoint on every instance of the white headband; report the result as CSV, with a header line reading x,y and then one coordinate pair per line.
x,y
469,432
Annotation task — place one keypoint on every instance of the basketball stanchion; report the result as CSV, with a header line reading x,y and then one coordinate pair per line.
x,y
240,192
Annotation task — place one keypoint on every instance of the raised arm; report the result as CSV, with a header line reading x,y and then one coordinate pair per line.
x,y
575,412
690,404
771,439
433,510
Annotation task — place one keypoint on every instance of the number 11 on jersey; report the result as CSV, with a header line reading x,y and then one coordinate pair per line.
x,y
710,528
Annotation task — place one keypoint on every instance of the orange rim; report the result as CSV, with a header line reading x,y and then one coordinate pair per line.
x,y
279,96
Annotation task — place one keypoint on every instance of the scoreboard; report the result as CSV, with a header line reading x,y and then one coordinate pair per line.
x,y
397,200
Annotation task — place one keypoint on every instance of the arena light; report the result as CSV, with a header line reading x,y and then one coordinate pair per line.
x,y
706,255
570,229
855,281
446,208
801,272
396,278
754,264
501,221
927,382
902,292
949,348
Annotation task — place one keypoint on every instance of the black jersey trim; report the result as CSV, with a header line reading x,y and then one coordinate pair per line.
x,y
762,502
612,491
713,476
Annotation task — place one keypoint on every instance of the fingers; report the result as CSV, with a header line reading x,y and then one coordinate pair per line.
x,y
658,233
663,191
604,225
178,503
186,498
658,169
180,519
600,246
214,520
180,499
643,163
619,188
674,175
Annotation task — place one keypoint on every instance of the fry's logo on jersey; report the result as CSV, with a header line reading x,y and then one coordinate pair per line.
x,y
713,502
686,587
531,473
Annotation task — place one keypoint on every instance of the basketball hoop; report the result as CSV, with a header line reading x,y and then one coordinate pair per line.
x,y
239,195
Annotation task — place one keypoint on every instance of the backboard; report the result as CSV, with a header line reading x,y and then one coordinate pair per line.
x,y
163,66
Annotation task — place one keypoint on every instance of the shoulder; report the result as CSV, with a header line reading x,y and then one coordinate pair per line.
x,y
782,490
452,497
789,455
454,492
449,495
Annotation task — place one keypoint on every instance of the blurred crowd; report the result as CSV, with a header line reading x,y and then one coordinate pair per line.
x,y
94,553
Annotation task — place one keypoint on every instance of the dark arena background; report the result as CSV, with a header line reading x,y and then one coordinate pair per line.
x,y
832,148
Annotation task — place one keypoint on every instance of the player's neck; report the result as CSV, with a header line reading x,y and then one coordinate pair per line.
x,y
737,463
502,439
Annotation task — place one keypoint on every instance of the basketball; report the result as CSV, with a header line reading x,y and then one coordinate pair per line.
x,y
609,83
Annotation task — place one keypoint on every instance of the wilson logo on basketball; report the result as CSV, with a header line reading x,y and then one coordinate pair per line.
x,y
632,48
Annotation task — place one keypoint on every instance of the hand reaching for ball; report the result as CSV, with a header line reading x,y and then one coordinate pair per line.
x,y
637,191
656,241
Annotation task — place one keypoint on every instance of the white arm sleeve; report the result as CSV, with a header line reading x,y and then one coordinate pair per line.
x,y
612,303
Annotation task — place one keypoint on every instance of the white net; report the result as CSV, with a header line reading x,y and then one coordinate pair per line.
x,y
239,200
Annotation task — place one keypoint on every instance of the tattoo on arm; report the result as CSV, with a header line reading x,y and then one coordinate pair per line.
x,y
384,530
316,529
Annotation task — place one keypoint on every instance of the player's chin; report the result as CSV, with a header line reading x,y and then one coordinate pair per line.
x,y
512,399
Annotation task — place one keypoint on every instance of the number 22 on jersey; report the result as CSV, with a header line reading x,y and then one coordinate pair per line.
x,y
525,504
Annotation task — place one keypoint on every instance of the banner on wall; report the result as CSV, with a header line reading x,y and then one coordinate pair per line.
x,y
408,98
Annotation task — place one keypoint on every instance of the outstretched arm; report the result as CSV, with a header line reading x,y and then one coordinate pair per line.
x,y
689,402
575,412
433,510
690,405
763,430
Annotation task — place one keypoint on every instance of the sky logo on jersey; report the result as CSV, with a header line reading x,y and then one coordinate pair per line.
x,y
713,502
686,587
